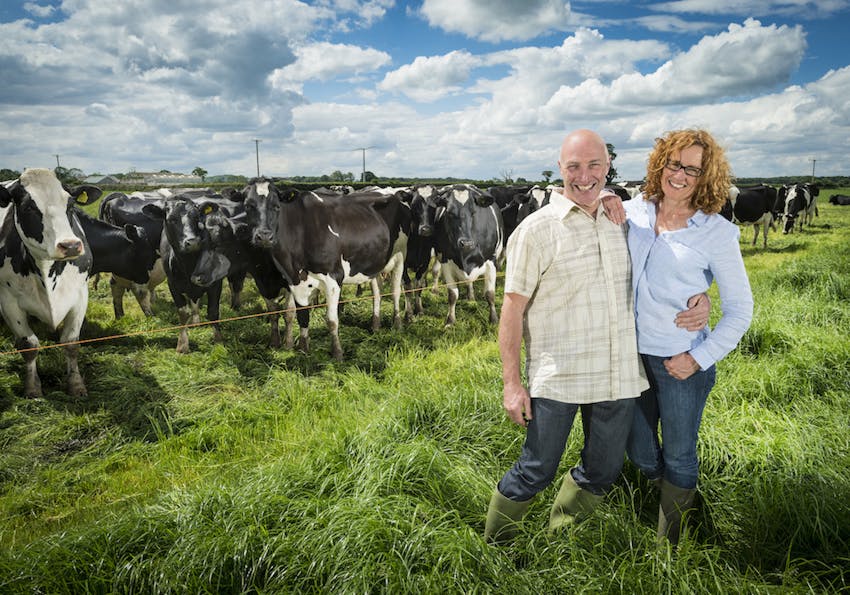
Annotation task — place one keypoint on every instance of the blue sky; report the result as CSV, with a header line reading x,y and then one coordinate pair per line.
x,y
468,88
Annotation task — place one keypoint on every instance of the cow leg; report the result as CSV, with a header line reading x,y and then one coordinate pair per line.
x,y
32,383
272,307
117,291
395,281
214,309
470,291
236,283
184,315
144,296
756,234
303,316
419,286
332,291
453,294
490,289
288,317
435,274
70,337
376,304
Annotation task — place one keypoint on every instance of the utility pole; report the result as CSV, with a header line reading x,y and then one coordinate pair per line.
x,y
813,169
257,149
363,149
57,161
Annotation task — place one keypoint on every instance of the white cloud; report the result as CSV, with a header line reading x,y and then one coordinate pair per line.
x,y
428,79
798,8
498,20
325,61
39,10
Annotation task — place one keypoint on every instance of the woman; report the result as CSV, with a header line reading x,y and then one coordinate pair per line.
x,y
679,244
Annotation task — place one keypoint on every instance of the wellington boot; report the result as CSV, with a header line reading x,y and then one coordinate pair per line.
x,y
675,503
572,504
503,517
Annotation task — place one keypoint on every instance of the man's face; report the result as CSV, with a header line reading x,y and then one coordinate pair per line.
x,y
584,167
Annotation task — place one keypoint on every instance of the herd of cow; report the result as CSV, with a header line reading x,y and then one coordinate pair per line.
x,y
292,243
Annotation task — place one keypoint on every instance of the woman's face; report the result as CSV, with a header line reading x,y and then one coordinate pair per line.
x,y
680,185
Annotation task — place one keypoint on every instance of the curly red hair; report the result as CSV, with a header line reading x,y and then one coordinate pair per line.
x,y
712,188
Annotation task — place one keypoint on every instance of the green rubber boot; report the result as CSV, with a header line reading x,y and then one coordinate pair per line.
x,y
503,517
675,503
572,504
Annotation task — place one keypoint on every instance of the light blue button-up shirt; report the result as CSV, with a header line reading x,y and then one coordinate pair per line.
x,y
669,268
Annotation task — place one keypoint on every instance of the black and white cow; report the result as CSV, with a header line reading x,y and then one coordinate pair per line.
x,y
421,245
839,199
470,240
326,241
181,249
794,202
44,265
535,199
752,205
121,209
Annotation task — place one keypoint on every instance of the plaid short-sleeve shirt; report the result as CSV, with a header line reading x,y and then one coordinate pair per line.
x,y
579,325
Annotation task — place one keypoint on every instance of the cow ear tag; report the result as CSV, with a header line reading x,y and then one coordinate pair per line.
x,y
83,197
207,210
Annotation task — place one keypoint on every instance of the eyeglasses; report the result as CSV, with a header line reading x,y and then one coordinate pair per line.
x,y
690,170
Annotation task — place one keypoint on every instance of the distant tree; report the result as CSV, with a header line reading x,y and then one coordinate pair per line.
x,y
200,172
507,176
547,173
337,176
368,176
521,181
9,174
612,173
69,176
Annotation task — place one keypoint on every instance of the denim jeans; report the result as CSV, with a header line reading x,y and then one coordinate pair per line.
x,y
606,427
678,406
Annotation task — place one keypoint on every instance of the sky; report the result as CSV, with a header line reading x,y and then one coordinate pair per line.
x,y
481,89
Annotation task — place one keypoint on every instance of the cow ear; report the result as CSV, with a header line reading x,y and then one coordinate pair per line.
x,y
287,193
135,232
483,199
154,211
85,194
232,194
5,196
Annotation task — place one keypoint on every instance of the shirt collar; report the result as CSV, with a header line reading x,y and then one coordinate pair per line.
x,y
564,205
698,219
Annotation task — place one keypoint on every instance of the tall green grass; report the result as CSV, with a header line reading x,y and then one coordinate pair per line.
x,y
241,469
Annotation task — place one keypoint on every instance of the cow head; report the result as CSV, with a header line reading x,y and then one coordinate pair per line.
x,y
183,223
43,214
458,208
533,200
423,210
796,201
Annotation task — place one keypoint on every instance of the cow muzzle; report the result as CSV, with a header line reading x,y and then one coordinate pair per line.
x,y
466,244
69,249
426,231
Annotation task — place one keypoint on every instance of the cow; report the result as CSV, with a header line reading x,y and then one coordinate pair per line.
x,y
44,265
793,201
325,241
183,236
509,199
620,191
839,199
121,209
752,205
240,238
123,251
420,245
470,240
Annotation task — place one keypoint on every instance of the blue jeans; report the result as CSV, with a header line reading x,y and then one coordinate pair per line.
x,y
606,427
678,406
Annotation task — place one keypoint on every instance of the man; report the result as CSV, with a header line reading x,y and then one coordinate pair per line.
x,y
568,296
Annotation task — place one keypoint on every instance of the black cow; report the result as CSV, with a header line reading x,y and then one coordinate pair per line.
x,y
420,245
124,251
121,209
325,241
839,199
509,199
44,265
470,240
752,205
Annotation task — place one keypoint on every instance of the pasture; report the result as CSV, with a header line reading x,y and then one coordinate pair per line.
x,y
237,468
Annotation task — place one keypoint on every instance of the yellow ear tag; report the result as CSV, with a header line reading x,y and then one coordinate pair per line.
x,y
83,198
207,210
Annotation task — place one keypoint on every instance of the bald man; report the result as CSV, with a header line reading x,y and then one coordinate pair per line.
x,y
568,296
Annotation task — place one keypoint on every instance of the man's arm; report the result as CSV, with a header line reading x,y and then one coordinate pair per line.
x,y
696,316
517,401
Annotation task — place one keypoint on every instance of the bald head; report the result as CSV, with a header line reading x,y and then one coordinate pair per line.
x,y
583,140
584,165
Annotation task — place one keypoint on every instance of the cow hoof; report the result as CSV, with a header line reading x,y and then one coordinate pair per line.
x,y
376,323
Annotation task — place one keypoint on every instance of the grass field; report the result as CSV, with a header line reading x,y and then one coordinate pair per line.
x,y
242,469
